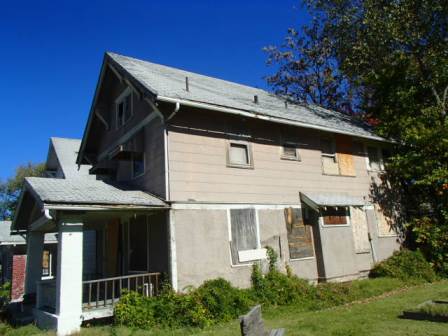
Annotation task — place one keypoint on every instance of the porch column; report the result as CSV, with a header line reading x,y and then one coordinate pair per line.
x,y
34,253
69,277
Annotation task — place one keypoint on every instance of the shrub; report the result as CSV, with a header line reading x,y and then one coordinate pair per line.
x,y
405,265
222,301
5,292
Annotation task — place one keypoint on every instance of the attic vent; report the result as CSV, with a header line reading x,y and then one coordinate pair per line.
x,y
256,99
187,84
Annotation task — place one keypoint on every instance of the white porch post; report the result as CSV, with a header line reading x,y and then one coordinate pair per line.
x,y
34,253
69,277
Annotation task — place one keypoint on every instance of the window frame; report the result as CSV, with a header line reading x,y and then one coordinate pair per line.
x,y
285,156
379,152
347,217
257,231
132,166
333,156
250,164
122,99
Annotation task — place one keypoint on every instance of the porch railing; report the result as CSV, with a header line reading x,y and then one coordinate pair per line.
x,y
105,293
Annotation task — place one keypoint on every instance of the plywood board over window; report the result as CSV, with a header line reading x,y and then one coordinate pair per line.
x,y
384,222
344,147
334,216
300,236
244,233
360,229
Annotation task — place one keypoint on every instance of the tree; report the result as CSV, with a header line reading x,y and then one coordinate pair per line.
x,y
394,56
307,71
10,190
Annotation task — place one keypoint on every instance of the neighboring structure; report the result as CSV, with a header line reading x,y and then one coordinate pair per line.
x,y
194,177
13,259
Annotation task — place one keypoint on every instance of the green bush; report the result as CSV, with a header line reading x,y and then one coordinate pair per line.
x,y
405,265
222,301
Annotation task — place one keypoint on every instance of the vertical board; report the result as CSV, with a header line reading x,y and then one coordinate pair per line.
x,y
300,239
112,248
360,229
384,223
344,148
244,232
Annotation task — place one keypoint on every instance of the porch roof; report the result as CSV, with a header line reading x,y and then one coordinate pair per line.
x,y
88,192
316,200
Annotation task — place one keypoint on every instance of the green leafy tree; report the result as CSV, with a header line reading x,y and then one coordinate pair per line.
x,y
394,56
10,190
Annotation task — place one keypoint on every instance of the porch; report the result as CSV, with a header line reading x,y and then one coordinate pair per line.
x,y
118,244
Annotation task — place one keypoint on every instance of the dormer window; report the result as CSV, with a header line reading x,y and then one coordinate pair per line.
x,y
123,106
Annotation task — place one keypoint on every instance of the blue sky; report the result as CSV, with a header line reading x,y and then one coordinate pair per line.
x,y
51,52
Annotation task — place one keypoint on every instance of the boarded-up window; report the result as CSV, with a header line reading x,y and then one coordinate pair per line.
x,y
360,230
335,216
329,159
300,236
384,222
244,232
344,147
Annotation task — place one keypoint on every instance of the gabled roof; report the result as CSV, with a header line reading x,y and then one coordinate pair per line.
x,y
167,82
66,150
6,238
82,191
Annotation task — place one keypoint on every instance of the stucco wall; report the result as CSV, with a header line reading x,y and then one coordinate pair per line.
x,y
203,250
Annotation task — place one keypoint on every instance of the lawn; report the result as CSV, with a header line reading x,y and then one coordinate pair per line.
x,y
378,316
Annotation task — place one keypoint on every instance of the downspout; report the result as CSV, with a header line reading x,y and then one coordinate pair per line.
x,y
172,232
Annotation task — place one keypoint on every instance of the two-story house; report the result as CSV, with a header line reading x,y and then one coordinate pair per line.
x,y
195,176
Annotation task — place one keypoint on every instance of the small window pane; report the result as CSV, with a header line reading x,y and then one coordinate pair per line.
x,y
374,158
138,164
290,151
239,154
334,216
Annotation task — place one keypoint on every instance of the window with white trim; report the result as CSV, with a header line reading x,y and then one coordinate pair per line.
x,y
290,151
138,164
239,154
334,215
244,234
123,108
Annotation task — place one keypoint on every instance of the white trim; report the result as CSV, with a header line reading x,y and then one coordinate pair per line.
x,y
305,258
347,218
264,117
173,255
228,206
250,164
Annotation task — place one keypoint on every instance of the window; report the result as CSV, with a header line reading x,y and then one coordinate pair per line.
x,y
46,264
335,216
290,151
375,160
138,164
300,240
384,222
123,108
239,154
360,229
245,241
329,158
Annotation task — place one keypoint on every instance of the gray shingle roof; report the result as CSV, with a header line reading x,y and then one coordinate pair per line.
x,y
66,151
331,199
89,192
6,238
170,82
